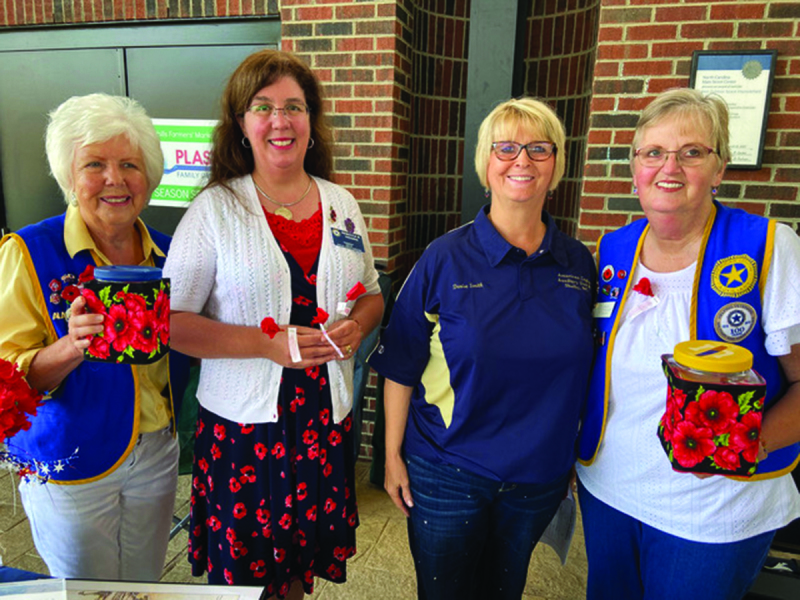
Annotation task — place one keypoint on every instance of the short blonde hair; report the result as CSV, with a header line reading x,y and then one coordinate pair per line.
x,y
695,108
530,115
96,118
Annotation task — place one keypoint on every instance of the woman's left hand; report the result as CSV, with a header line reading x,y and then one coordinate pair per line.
x,y
347,335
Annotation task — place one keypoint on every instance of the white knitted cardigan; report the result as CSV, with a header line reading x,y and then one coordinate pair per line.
x,y
224,263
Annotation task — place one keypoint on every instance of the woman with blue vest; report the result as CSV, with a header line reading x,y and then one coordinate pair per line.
x,y
693,269
104,439
487,359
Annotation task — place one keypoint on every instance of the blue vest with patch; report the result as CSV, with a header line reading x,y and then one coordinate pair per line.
x,y
731,272
91,422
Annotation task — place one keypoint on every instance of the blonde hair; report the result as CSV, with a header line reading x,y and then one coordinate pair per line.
x,y
529,115
695,108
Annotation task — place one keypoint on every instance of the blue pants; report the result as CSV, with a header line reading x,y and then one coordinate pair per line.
x,y
472,537
629,560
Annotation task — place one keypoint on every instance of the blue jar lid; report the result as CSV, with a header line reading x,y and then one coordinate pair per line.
x,y
125,273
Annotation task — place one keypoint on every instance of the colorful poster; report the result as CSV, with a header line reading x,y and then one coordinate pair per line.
x,y
186,144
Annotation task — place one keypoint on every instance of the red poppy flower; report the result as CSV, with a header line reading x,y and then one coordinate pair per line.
x,y
309,577
209,566
347,423
228,576
691,444
321,317
145,331
340,553
70,292
219,431
215,452
54,286
352,520
258,568
286,521
203,465
643,287
312,372
200,426
716,410
234,485
87,275
313,451
284,591
310,436
327,470
260,450
334,571
270,327
262,515
213,523
239,511
245,429
248,474
312,279
287,502
302,491
311,513
330,506
302,301
93,302
725,458
278,451
357,290
17,400
279,554
161,310
134,303
230,535
323,456
238,550
324,416
99,347
266,530
745,435
334,438
118,331
299,538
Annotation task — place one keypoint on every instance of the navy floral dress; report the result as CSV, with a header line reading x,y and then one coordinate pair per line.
x,y
275,502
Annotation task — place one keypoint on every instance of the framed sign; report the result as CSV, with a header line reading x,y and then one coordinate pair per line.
x,y
744,80
186,144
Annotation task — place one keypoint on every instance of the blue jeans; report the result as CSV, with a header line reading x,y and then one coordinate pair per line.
x,y
629,560
472,537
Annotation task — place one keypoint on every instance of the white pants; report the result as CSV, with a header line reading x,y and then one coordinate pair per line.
x,y
116,528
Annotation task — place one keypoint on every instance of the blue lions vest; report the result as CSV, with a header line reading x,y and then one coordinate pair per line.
x,y
95,410
731,272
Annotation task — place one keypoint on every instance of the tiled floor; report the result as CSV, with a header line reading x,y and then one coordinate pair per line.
x,y
381,570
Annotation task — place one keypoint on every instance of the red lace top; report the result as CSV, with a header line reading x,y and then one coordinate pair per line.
x,y
301,239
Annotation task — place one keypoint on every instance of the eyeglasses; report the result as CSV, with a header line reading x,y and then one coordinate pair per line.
x,y
690,155
290,111
537,151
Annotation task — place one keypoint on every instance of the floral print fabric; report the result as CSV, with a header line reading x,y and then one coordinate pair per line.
x,y
273,503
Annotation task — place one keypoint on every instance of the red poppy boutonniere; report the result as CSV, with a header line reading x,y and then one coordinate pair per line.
x,y
321,317
643,287
270,327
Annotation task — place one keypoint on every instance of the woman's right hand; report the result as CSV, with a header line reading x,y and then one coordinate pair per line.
x,y
82,326
396,484
314,348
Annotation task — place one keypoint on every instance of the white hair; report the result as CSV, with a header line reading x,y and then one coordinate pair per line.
x,y
96,118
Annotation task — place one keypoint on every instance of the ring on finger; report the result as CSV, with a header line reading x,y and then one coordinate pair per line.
x,y
348,349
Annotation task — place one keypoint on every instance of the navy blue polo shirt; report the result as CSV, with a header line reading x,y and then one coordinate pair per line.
x,y
498,347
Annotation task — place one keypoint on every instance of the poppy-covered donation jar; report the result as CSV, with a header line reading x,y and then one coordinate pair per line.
x,y
715,402
135,303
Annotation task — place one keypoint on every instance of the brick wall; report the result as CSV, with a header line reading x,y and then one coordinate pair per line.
x,y
43,12
645,47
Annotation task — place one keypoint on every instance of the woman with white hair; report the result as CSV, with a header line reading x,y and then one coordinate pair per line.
x,y
103,441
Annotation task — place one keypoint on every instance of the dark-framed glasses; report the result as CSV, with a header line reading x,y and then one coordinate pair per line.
x,y
537,151
293,110
689,155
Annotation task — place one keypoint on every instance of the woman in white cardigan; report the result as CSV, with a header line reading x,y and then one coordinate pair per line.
x,y
273,286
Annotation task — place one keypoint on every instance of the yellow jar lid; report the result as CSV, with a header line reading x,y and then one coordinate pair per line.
x,y
715,357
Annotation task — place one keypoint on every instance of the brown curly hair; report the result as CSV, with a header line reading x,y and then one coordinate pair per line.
x,y
229,159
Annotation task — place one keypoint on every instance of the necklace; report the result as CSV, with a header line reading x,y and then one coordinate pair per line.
x,y
283,208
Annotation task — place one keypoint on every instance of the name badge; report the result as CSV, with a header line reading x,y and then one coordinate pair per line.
x,y
345,239
603,310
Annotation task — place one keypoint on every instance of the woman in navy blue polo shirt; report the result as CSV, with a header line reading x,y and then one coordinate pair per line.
x,y
486,359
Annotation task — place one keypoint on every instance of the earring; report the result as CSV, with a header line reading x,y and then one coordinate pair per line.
x,y
311,143
246,143
487,193
713,191
550,194
635,190
73,198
